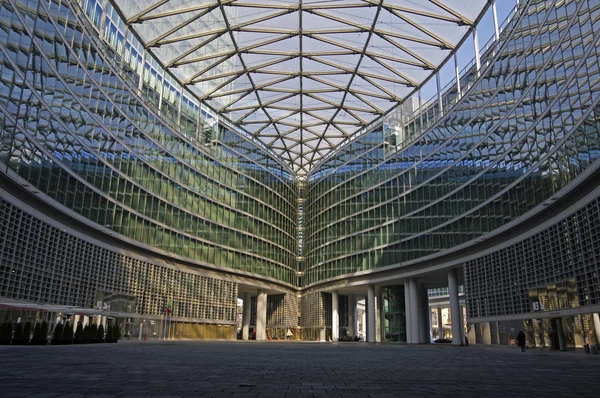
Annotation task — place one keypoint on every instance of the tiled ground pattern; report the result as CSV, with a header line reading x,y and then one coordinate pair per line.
x,y
285,369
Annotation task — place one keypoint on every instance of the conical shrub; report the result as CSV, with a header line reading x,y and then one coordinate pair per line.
x,y
110,338
79,333
6,333
58,334
18,334
67,337
38,337
45,328
93,333
86,333
100,334
26,333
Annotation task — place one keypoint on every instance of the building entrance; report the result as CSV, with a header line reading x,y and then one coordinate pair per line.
x,y
557,338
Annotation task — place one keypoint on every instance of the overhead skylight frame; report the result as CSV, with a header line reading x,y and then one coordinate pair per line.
x,y
258,64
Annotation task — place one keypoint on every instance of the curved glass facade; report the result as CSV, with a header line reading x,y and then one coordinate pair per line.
x,y
524,130
92,126
90,136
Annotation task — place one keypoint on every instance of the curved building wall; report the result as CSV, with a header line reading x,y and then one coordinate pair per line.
x,y
81,126
43,263
523,131
508,281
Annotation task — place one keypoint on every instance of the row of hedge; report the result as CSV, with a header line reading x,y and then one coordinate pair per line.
x,y
20,334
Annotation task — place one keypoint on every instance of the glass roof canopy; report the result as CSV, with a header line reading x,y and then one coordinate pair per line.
x,y
302,76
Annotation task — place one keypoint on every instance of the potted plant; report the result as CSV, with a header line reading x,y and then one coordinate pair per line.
x,y
78,333
18,334
67,337
93,333
38,337
110,334
58,334
22,333
86,333
100,334
27,332
44,333
5,333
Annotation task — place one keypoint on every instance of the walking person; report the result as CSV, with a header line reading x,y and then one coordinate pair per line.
x,y
521,340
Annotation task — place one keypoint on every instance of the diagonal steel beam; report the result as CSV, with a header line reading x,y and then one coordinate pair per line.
x,y
341,88
192,80
423,29
356,51
202,33
176,28
457,18
135,18
449,10
230,52
266,104
143,18
209,96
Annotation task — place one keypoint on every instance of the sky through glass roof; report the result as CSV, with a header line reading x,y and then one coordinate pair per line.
x,y
301,76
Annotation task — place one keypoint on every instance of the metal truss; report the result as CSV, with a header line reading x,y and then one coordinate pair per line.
x,y
301,76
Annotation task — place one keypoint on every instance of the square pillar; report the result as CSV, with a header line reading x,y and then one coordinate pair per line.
x,y
246,316
440,323
352,329
423,315
454,307
370,304
414,311
335,317
407,313
378,314
261,315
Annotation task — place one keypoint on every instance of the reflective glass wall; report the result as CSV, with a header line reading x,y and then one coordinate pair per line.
x,y
90,121
526,127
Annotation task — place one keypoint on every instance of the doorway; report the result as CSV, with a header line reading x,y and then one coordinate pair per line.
x,y
557,336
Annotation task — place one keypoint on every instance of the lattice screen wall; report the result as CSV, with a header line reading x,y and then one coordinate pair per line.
x,y
41,263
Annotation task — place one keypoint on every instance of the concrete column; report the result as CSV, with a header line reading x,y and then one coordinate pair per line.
x,y
407,313
420,109
141,71
261,315
439,92
495,15
378,314
497,339
370,307
476,49
423,308
596,318
352,329
414,311
457,73
103,19
454,307
462,323
440,323
364,322
335,316
246,316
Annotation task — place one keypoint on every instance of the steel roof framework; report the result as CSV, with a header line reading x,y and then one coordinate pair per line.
x,y
302,76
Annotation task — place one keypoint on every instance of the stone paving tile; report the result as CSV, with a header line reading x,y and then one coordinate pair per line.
x,y
292,369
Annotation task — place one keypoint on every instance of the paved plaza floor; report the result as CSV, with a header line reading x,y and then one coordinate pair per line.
x,y
293,369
